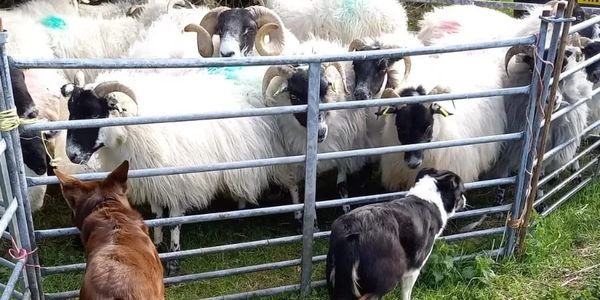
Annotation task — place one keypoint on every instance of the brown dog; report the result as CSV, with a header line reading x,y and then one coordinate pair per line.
x,y
122,262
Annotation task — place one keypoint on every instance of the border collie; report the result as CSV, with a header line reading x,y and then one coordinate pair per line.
x,y
374,247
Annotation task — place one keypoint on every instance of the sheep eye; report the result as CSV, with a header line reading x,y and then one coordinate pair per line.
x,y
248,31
95,116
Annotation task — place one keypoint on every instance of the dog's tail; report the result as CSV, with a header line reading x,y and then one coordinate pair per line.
x,y
343,263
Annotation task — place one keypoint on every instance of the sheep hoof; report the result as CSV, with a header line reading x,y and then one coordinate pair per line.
x,y
343,190
540,208
173,267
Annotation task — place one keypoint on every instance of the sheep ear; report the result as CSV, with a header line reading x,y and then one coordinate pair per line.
x,y
438,109
67,90
388,110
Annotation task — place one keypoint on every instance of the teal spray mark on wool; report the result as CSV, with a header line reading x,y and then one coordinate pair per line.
x,y
230,73
349,12
54,22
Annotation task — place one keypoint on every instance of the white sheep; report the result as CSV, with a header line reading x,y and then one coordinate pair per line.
x,y
176,144
343,20
338,129
416,123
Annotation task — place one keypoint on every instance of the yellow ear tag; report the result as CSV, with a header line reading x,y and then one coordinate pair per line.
x,y
443,111
385,111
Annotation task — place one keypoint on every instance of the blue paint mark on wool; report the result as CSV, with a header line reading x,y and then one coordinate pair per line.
x,y
54,22
230,73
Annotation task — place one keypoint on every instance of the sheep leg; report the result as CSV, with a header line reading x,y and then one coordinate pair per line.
x,y
295,195
500,192
574,168
174,265
157,231
342,187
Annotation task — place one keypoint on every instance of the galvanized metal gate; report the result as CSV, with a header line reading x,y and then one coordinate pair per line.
x,y
17,212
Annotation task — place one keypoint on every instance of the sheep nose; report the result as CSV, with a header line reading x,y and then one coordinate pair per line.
x,y
361,95
33,114
227,54
414,162
322,134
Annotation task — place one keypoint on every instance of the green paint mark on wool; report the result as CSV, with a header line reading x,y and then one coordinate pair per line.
x,y
349,10
54,22
230,73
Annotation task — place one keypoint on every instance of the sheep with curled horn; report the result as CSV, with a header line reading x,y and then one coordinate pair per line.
x,y
241,31
127,93
338,130
570,90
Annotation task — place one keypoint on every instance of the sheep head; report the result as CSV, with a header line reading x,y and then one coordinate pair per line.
x,y
239,29
285,85
374,75
107,99
414,122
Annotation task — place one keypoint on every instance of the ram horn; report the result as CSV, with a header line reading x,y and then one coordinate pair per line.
x,y
338,66
209,21
203,39
274,71
514,50
259,2
357,44
105,88
263,17
260,38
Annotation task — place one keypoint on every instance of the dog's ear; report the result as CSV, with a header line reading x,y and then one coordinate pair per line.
x,y
452,190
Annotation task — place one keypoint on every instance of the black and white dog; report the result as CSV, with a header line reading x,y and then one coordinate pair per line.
x,y
373,248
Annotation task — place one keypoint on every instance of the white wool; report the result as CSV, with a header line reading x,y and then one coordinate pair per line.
x,y
340,19
347,129
472,118
190,143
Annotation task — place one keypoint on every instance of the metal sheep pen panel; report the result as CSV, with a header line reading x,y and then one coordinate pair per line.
x,y
20,183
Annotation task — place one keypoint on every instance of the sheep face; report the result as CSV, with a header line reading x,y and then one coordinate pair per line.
x,y
593,70
82,143
239,29
414,123
371,75
34,153
105,100
23,100
288,85
298,91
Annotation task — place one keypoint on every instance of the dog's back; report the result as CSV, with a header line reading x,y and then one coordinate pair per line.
x,y
373,246
122,262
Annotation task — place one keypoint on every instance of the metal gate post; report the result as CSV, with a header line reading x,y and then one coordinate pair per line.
x,y
310,185
536,110
18,181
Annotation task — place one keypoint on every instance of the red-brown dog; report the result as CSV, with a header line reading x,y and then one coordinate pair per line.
x,y
122,262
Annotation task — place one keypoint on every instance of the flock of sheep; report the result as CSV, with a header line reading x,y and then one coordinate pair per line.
x,y
58,29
